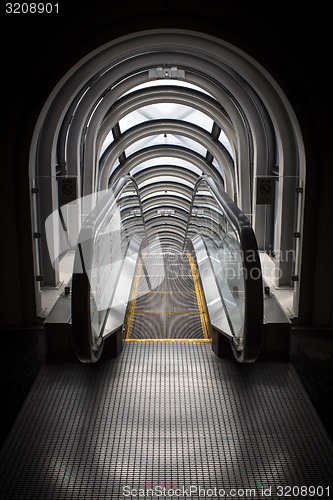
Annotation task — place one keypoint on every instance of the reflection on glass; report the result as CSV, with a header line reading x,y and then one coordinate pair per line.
x,y
224,250
110,244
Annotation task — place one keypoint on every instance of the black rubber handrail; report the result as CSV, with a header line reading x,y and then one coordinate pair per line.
x,y
86,350
249,349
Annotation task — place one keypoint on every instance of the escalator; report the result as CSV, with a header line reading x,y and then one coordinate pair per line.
x,y
167,301
210,289
167,402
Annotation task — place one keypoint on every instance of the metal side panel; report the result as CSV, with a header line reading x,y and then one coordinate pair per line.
x,y
58,328
168,415
276,328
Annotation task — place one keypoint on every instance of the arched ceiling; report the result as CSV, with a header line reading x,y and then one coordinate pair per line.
x,y
165,108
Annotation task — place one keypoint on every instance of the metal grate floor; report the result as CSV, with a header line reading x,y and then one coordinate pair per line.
x,y
166,415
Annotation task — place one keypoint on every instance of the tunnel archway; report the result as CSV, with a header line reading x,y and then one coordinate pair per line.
x,y
252,134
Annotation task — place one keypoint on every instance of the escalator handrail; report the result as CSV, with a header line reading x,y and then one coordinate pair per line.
x,y
235,216
97,215
81,325
253,320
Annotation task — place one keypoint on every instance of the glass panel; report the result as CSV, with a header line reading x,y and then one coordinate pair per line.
x,y
165,178
109,245
107,141
217,166
160,111
132,119
192,144
224,250
168,192
162,139
225,141
166,110
162,81
114,166
166,160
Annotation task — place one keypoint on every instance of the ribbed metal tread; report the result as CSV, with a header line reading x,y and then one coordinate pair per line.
x,y
168,415
166,302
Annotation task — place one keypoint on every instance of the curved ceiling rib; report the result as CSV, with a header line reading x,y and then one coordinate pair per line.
x,y
238,119
170,201
163,210
185,129
172,226
160,151
171,170
232,90
137,100
239,105
166,186
166,94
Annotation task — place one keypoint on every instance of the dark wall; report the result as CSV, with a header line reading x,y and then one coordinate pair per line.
x,y
37,50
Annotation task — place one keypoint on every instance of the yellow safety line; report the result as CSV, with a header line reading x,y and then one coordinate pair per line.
x,y
170,291
132,301
201,304
167,312
200,297
168,340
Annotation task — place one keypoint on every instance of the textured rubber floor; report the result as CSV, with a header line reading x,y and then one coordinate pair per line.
x,y
168,415
166,302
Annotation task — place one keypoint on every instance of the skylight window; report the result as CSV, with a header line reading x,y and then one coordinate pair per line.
x,y
171,81
166,111
217,166
225,141
107,141
169,192
170,139
165,178
166,160
162,111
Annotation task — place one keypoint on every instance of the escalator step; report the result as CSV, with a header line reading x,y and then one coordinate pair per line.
x,y
166,302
